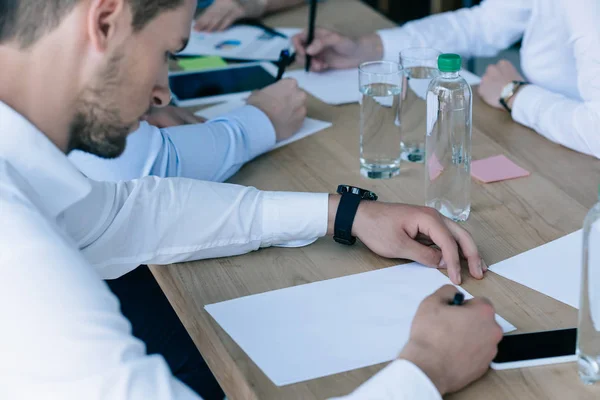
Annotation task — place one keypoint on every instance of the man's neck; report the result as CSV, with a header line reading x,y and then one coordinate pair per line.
x,y
36,84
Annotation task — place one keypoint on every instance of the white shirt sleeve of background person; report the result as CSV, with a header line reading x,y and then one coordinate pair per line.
x,y
482,31
119,226
211,151
571,123
400,380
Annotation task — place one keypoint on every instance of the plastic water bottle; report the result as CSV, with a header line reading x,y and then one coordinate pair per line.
x,y
448,141
588,332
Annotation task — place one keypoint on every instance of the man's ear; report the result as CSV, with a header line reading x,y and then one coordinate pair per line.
x,y
107,20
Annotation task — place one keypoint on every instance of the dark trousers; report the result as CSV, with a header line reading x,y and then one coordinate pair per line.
x,y
154,322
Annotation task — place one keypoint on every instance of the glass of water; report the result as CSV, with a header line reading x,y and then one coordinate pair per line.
x,y
380,83
420,67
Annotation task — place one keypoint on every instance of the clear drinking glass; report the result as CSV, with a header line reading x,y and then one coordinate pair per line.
x,y
588,330
420,67
380,83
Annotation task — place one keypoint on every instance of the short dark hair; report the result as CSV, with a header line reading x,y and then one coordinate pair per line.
x,y
27,20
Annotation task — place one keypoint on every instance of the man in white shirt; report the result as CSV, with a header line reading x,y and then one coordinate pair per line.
x,y
62,233
560,58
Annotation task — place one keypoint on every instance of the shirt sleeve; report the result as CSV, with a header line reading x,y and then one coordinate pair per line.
x,y
216,149
569,122
211,151
401,380
481,31
64,336
119,226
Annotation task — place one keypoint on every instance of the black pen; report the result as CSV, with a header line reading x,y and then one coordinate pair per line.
x,y
458,299
311,30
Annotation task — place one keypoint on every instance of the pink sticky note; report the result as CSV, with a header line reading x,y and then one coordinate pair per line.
x,y
497,168
435,168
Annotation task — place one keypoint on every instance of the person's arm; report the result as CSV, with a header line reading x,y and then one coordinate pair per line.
x,y
212,151
119,226
400,380
572,123
480,31
63,336
217,149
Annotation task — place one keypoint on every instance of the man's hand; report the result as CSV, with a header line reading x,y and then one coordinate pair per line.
x,y
496,77
223,13
405,231
165,117
285,105
332,50
453,345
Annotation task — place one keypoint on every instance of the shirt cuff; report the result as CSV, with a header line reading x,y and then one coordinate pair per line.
x,y
400,380
291,217
394,40
260,133
526,106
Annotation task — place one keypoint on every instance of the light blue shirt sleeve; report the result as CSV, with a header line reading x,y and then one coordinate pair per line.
x,y
212,151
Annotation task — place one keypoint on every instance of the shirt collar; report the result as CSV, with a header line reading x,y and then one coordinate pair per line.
x,y
52,176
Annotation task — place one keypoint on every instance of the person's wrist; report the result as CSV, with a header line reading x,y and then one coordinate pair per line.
x,y
370,48
511,100
427,361
334,202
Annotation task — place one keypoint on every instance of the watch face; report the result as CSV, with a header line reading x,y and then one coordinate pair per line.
x,y
507,91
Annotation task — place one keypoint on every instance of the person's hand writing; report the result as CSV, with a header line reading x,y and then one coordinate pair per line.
x,y
331,50
453,345
405,231
285,105
164,117
496,77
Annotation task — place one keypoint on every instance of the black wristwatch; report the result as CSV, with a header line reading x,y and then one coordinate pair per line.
x,y
344,218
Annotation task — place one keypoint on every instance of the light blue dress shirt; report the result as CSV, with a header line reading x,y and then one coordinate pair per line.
x,y
212,151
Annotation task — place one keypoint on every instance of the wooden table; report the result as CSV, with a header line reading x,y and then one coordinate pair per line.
x,y
507,218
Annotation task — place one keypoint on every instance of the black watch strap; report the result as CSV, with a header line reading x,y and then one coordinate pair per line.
x,y
344,218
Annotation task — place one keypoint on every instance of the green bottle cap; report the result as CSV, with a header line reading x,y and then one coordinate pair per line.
x,y
449,62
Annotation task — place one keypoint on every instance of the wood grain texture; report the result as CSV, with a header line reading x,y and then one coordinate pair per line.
x,y
507,218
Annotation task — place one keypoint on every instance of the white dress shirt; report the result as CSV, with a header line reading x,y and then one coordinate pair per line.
x,y
61,234
560,56
211,151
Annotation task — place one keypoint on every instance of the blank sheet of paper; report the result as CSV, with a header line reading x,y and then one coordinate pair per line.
x,y
309,127
553,268
323,328
331,87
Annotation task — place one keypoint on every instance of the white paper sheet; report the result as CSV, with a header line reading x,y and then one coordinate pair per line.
x,y
420,86
553,269
309,127
323,328
241,42
331,87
